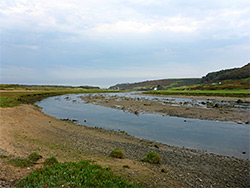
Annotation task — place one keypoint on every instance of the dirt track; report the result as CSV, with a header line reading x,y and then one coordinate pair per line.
x,y
24,129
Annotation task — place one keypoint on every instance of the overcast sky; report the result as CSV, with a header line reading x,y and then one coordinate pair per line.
x,y
105,42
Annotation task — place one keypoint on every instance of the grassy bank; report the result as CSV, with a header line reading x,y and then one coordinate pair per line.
x,y
220,93
17,97
74,174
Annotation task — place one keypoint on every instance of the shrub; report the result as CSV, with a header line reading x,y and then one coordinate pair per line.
x,y
3,157
164,170
74,174
34,157
50,161
153,158
126,166
20,162
117,153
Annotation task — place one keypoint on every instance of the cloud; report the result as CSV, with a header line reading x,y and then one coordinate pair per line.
x,y
86,17
169,24
112,39
31,47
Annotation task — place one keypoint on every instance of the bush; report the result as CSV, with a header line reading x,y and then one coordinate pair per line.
x,y
125,166
20,162
117,153
3,157
74,174
153,158
50,161
34,157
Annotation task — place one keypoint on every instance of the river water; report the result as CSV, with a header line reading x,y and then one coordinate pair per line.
x,y
226,138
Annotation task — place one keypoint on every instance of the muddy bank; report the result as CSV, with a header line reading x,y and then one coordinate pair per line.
x,y
24,129
213,111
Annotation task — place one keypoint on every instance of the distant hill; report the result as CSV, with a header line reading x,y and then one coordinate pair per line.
x,y
228,74
160,84
230,78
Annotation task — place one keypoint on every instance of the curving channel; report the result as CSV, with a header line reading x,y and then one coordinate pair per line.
x,y
224,138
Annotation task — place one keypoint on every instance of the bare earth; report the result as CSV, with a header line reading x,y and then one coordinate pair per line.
x,y
24,129
137,106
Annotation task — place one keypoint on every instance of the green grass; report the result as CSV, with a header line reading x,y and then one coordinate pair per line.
x,y
34,157
117,153
11,99
74,174
25,162
153,158
223,93
50,161
20,162
3,157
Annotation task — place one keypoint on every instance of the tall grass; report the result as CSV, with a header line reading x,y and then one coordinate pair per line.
x,y
11,99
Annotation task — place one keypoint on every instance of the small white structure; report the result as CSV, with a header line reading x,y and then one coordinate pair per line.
x,y
155,89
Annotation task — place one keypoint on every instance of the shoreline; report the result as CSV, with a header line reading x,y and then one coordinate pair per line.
x,y
25,128
219,98
166,108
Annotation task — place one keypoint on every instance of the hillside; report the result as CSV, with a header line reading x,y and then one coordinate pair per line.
x,y
228,74
160,84
236,78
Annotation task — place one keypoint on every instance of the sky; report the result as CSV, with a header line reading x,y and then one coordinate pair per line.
x,y
106,42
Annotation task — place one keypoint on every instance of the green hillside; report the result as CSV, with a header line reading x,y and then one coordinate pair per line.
x,y
160,84
228,79
228,74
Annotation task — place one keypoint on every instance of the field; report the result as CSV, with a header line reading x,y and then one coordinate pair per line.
x,y
15,95
221,93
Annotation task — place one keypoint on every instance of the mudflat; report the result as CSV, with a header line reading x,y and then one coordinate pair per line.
x,y
25,129
135,105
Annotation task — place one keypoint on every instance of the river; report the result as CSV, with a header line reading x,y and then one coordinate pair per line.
x,y
224,138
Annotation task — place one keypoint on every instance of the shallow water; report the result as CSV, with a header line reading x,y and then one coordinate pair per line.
x,y
225,138
176,101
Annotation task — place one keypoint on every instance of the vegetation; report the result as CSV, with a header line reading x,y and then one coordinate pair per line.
x,y
74,174
25,162
117,153
125,166
162,84
229,79
50,161
3,157
228,74
222,93
34,157
41,87
22,96
20,162
153,158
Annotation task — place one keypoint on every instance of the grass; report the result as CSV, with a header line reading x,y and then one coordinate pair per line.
x,y
223,93
74,174
3,157
20,162
50,161
15,98
117,153
25,162
34,157
153,158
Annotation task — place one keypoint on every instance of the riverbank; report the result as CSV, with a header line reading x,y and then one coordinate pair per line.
x,y
25,129
215,110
